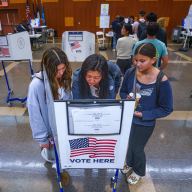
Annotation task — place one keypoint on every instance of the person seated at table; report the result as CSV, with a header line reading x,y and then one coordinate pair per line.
x,y
59,72
96,79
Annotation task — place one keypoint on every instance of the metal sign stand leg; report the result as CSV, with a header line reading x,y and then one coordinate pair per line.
x,y
58,169
9,98
31,69
114,180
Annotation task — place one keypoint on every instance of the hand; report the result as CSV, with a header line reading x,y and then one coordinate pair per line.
x,y
129,97
47,145
138,114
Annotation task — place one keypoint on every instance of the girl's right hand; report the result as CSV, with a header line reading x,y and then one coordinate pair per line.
x,y
47,145
130,96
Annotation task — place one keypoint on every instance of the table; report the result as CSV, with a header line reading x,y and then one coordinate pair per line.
x,y
35,40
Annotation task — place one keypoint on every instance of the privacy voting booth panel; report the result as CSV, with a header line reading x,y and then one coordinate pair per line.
x,y
90,134
15,47
78,45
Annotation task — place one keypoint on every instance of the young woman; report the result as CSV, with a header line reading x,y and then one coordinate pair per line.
x,y
96,79
58,70
156,101
124,48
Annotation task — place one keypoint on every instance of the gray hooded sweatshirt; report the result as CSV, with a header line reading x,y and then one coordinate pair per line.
x,y
38,111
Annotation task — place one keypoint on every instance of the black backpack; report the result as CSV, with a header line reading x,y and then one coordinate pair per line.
x,y
141,28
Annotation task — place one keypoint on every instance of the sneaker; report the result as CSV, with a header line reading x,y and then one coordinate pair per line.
x,y
133,178
126,169
54,166
48,155
113,49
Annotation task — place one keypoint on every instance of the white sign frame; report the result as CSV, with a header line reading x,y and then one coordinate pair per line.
x,y
104,9
69,158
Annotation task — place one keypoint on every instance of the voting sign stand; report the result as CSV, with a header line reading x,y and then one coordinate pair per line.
x,y
89,133
15,47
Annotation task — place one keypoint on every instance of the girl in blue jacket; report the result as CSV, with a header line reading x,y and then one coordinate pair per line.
x,y
58,70
96,79
156,101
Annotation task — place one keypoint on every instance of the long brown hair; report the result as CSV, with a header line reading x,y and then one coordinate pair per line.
x,y
51,59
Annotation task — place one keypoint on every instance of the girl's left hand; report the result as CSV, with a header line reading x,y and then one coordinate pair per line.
x,y
138,114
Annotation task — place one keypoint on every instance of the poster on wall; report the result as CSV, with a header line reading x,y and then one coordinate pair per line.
x,y
104,22
104,9
3,3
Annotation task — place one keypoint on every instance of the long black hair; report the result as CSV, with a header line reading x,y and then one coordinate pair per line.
x,y
98,63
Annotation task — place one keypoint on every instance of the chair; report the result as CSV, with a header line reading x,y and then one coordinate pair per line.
x,y
163,22
101,40
51,35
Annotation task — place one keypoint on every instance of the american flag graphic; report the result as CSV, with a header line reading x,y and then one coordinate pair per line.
x,y
75,45
92,147
28,12
4,52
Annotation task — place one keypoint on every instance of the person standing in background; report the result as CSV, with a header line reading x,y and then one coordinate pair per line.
x,y
161,33
124,48
162,53
142,24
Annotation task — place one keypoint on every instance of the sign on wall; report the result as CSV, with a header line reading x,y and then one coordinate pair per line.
x,y
3,3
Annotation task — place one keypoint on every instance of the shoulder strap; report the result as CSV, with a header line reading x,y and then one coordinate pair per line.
x,y
158,81
128,73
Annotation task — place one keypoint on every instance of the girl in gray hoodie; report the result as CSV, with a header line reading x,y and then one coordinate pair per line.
x,y
59,72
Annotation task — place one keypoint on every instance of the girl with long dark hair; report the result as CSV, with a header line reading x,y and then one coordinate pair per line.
x,y
96,79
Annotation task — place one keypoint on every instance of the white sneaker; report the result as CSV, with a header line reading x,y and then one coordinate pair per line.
x,y
54,166
48,155
133,178
126,169
113,49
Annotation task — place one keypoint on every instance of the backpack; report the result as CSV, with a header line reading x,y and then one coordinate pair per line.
x,y
141,28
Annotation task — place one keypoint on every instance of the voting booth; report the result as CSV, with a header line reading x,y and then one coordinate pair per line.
x,y
15,47
78,45
90,133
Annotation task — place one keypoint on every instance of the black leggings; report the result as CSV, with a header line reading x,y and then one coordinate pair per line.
x,y
139,136
124,64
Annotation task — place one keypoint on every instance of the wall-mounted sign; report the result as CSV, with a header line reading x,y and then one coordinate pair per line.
x,y
3,3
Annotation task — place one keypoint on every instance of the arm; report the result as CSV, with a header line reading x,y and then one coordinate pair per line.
x,y
39,128
164,57
165,60
165,103
124,87
115,72
75,90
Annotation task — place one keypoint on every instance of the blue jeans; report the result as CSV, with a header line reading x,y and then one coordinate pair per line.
x,y
114,41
